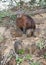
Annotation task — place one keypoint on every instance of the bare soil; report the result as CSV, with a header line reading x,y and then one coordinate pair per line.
x,y
10,37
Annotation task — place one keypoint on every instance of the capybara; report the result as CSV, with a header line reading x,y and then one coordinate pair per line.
x,y
25,22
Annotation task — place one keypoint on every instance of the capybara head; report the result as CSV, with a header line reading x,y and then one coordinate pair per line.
x,y
25,22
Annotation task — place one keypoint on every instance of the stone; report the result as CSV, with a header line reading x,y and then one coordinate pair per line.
x,y
24,63
12,62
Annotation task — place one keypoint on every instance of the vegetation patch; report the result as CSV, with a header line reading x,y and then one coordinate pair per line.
x,y
40,43
21,51
1,38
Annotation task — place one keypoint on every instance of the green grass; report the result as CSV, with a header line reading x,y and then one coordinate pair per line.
x,y
1,38
21,51
5,13
44,56
19,60
35,63
13,17
28,57
40,44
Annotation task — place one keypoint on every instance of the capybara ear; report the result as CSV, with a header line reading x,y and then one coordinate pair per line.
x,y
19,15
25,22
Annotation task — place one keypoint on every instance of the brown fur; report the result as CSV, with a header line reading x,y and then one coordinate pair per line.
x,y
25,22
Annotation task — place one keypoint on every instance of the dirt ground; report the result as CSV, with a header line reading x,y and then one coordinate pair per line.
x,y
9,38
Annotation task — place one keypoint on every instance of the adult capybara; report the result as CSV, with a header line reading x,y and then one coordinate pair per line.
x,y
25,22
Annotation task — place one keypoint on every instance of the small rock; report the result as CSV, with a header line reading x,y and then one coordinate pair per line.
x,y
24,63
17,45
12,62
2,30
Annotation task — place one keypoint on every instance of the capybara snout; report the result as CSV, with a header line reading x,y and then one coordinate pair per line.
x,y
25,22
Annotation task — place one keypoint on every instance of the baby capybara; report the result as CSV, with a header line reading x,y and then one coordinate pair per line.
x,y
25,22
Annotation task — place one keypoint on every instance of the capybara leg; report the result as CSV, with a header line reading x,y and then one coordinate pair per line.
x,y
32,33
24,30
